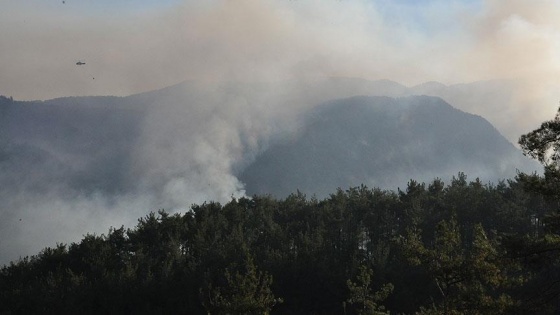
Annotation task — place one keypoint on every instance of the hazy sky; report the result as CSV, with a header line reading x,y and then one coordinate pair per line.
x,y
132,46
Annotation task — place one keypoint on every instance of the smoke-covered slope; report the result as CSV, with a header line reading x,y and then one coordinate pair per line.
x,y
74,165
81,144
383,142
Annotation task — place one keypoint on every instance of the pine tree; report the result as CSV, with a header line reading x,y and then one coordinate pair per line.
x,y
362,297
244,290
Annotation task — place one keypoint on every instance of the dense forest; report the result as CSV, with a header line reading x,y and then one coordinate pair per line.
x,y
465,247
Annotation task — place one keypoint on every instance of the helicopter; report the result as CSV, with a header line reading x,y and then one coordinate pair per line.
x,y
80,63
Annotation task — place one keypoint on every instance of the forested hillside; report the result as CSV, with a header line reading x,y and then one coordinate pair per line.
x,y
465,247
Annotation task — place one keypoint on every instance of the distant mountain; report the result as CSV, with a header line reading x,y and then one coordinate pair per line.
x,y
494,100
75,143
109,144
382,142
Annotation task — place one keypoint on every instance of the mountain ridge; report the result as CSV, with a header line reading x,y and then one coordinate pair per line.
x,y
340,140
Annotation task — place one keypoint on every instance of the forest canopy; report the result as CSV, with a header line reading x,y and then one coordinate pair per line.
x,y
466,247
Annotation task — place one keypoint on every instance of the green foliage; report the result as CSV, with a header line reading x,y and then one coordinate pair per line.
x,y
543,143
245,290
466,247
539,253
466,277
362,297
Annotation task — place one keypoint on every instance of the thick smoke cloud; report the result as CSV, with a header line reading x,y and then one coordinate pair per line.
x,y
517,40
252,64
